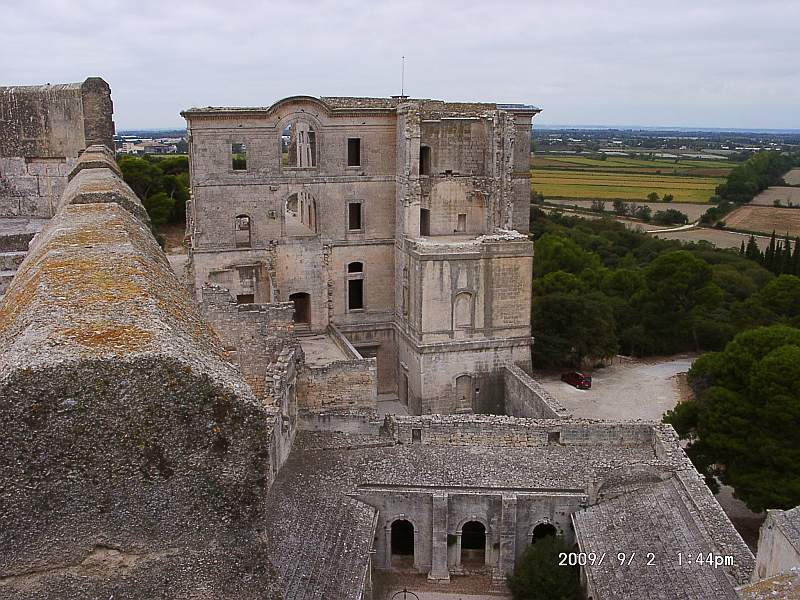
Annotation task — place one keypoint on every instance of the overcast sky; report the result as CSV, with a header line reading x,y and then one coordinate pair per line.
x,y
732,63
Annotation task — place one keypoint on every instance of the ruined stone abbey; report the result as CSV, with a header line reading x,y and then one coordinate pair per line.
x,y
398,224
336,386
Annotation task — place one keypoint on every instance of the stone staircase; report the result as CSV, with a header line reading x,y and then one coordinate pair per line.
x,y
15,236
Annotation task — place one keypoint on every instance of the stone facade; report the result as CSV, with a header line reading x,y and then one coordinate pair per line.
x,y
402,222
42,131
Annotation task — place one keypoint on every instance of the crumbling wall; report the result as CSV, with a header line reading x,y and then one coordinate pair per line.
x,y
525,397
42,131
135,459
339,384
492,430
254,334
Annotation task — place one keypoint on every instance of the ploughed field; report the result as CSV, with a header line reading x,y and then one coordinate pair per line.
x,y
630,179
765,219
782,194
692,210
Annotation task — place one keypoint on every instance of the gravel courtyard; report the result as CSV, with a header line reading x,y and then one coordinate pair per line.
x,y
626,390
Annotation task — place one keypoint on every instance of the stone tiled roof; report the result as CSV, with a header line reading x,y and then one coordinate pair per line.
x,y
789,524
785,586
669,519
319,537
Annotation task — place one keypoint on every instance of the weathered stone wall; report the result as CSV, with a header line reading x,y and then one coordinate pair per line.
x,y
254,334
778,544
338,384
42,131
135,459
525,397
491,430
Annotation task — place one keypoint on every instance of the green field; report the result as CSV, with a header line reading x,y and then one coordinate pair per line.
x,y
628,179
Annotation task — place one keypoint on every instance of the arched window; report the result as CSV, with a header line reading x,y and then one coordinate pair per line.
x,y
355,286
299,145
242,231
402,544
300,214
542,530
464,392
463,311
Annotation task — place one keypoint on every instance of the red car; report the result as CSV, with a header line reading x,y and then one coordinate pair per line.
x,y
579,380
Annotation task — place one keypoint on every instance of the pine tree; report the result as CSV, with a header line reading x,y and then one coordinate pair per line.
x,y
769,254
786,256
753,252
741,249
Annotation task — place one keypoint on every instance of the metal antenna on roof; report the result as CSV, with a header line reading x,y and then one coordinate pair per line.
x,y
403,76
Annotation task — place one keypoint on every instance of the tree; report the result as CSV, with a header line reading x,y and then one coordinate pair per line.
x,y
142,175
670,216
652,197
538,576
668,198
620,208
570,328
744,425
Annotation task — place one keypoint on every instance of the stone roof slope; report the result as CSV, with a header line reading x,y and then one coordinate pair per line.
x,y
665,524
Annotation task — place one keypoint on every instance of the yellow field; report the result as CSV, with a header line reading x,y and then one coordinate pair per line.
x,y
626,178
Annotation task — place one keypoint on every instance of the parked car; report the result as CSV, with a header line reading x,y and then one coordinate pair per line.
x,y
579,380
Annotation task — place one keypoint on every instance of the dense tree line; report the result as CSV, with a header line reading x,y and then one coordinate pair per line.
x,y
778,257
162,184
743,427
602,289
754,175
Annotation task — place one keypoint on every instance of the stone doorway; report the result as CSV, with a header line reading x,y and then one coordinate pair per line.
x,y
473,545
302,307
402,544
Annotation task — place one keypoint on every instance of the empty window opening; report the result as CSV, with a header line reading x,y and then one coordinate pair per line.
x,y
355,267
424,221
473,544
300,214
462,311
299,145
354,216
404,390
402,546
242,231
239,156
461,223
245,298
355,294
553,437
542,530
353,152
416,436
405,299
302,307
424,160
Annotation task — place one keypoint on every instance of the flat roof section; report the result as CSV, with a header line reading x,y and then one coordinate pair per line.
x,y
321,350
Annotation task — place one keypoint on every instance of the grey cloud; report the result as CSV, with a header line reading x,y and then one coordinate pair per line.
x,y
693,63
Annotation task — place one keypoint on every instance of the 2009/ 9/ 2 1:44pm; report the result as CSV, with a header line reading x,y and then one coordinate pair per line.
x,y
649,559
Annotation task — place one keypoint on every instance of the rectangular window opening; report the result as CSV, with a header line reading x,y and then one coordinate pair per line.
x,y
354,216
553,437
245,299
424,160
239,156
424,221
353,152
461,225
416,436
355,294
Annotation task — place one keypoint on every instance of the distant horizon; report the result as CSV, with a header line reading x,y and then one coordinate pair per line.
x,y
562,126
